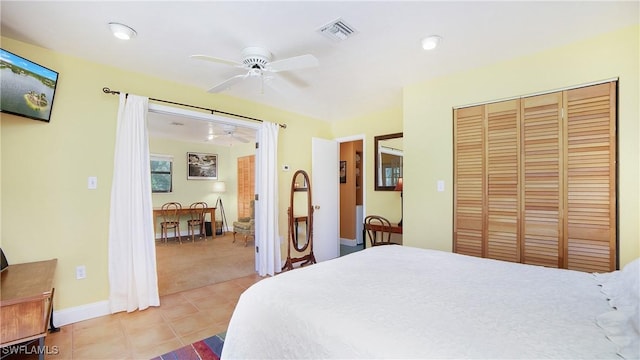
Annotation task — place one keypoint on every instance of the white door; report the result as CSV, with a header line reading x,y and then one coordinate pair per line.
x,y
325,197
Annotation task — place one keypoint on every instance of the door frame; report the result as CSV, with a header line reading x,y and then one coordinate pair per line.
x,y
363,138
175,111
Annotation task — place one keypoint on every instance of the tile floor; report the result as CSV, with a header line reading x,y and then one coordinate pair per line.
x,y
181,319
191,265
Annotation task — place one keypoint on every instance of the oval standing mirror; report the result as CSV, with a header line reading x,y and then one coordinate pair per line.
x,y
300,206
388,161
300,229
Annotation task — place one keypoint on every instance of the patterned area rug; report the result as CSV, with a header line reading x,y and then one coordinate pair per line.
x,y
207,349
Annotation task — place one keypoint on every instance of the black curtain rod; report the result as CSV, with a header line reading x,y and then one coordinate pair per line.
x,y
106,90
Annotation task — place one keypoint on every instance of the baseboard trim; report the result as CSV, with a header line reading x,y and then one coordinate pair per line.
x,y
348,242
80,313
184,233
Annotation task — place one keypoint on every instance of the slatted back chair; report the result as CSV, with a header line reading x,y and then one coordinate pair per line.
x,y
196,219
378,230
171,220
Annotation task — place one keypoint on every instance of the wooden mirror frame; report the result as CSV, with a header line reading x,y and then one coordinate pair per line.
x,y
292,240
300,183
376,157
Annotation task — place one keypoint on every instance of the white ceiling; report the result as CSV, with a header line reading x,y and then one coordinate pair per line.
x,y
357,76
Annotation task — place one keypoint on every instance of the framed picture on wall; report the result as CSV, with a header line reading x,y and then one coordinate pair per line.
x,y
343,172
202,166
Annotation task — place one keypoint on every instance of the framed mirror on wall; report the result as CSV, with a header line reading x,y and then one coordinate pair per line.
x,y
388,161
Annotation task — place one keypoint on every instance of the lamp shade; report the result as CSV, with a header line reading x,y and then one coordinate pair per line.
x,y
219,187
398,185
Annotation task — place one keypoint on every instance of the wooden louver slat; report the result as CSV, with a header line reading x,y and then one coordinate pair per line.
x,y
542,180
590,158
469,185
246,184
535,179
502,149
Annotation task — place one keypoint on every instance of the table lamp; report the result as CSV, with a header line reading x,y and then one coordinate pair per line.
x,y
399,188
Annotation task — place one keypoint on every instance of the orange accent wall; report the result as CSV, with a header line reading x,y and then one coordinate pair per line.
x,y
351,190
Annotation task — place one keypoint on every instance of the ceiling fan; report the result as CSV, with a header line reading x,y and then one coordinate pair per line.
x,y
229,131
256,62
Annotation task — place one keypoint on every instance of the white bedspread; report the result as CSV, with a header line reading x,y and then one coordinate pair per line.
x,y
402,302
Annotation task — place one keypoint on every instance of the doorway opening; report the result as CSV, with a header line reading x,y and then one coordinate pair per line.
x,y
201,262
352,193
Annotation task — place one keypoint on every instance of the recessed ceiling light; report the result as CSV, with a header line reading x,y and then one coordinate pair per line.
x,y
431,42
122,31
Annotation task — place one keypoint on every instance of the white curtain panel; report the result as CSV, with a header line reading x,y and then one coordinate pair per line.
x,y
133,279
267,235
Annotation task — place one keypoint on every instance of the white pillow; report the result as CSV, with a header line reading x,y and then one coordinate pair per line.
x,y
622,325
622,287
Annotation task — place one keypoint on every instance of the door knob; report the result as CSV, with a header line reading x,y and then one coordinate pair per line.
x,y
316,207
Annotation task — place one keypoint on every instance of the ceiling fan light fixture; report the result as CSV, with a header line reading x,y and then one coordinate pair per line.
x,y
431,42
121,31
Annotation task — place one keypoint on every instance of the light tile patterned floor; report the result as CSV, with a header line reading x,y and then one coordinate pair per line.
x,y
181,319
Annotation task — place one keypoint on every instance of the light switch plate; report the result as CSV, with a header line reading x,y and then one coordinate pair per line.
x,y
92,182
81,272
440,185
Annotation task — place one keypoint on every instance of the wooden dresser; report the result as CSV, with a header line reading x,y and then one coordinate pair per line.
x,y
26,299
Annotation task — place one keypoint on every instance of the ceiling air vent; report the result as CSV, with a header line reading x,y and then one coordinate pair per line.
x,y
338,30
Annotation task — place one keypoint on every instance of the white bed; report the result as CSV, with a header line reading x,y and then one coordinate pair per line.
x,y
402,302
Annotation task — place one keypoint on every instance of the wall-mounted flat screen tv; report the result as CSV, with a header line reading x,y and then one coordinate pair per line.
x,y
26,88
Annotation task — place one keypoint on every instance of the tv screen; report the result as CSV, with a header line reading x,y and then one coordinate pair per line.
x,y
3,261
26,88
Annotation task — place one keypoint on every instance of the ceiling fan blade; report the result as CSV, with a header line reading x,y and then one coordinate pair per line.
x,y
280,85
216,60
241,139
293,63
227,83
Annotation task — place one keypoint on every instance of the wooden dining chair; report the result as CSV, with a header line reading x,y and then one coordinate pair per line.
x,y
196,219
170,220
378,230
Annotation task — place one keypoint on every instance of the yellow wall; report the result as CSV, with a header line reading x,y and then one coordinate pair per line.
x,y
187,191
389,121
428,129
47,210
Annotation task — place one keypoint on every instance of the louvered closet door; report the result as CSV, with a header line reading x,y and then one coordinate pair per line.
x,y
591,201
246,184
503,147
543,193
469,181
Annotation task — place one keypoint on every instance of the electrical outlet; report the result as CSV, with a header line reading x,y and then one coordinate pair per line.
x,y
81,272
